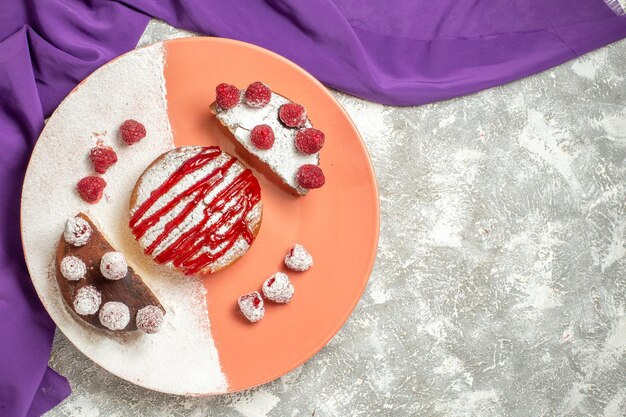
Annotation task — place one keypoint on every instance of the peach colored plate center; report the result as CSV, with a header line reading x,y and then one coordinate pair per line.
x,y
338,223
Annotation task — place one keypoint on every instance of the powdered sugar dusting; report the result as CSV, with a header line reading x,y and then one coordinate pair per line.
x,y
283,157
130,87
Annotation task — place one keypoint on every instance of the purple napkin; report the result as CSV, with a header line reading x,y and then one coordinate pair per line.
x,y
46,48
407,52
402,52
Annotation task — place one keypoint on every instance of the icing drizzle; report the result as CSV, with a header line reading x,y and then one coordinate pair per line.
x,y
205,242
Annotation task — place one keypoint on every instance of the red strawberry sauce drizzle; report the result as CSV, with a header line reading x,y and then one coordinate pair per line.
x,y
184,253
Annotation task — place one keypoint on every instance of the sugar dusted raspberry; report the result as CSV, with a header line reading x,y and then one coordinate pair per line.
x,y
292,115
258,95
310,140
310,176
72,268
298,259
114,315
113,266
91,188
102,157
77,231
149,319
251,305
87,300
132,131
227,96
278,288
262,136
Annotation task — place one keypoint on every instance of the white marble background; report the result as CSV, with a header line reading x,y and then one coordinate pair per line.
x,y
500,283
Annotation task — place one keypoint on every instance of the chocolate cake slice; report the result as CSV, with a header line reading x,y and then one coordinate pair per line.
x,y
99,286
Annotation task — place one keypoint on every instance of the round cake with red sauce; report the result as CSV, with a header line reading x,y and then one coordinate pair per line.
x,y
196,209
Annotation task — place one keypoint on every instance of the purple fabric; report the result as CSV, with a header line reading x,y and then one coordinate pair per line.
x,y
406,52
46,48
401,52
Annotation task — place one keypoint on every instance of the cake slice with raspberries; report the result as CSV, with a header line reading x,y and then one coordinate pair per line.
x,y
275,130
99,286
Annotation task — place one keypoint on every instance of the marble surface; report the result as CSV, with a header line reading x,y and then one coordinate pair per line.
x,y
500,283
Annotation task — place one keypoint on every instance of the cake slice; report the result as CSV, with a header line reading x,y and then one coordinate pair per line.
x,y
275,130
99,286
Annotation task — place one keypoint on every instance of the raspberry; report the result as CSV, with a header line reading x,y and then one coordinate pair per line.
x,y
73,268
258,95
91,188
114,315
102,157
113,266
298,259
262,136
278,288
292,115
132,131
87,300
310,176
77,231
227,96
251,305
309,141
149,319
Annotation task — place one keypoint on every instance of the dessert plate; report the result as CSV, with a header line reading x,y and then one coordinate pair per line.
x,y
206,346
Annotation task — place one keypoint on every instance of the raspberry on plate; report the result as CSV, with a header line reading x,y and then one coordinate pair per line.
x,y
251,305
298,259
91,189
262,136
227,96
102,158
309,140
132,131
149,319
258,95
278,288
292,115
310,176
